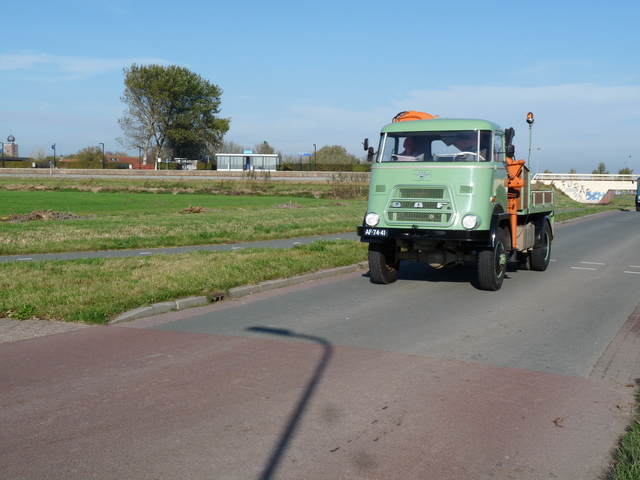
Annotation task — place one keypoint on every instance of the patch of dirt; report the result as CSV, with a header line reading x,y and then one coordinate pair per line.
x,y
288,205
40,215
192,209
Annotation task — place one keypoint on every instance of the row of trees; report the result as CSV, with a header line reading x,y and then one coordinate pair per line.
x,y
601,170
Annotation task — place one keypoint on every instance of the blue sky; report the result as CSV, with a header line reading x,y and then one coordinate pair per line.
x,y
299,73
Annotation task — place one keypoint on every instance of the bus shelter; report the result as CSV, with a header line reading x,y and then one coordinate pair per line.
x,y
247,161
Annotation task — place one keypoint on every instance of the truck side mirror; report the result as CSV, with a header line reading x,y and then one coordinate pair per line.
x,y
511,151
366,144
370,154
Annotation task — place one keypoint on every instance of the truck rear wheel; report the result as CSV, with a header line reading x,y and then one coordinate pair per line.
x,y
541,254
492,264
382,263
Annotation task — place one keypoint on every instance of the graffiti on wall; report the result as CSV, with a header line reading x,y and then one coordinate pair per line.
x,y
578,192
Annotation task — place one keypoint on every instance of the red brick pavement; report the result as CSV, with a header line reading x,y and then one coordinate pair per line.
x,y
621,360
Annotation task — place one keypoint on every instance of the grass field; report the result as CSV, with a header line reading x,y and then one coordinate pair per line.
x,y
113,221
113,217
96,290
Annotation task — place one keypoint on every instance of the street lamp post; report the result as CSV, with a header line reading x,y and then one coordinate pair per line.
x,y
537,158
315,163
54,155
102,154
2,154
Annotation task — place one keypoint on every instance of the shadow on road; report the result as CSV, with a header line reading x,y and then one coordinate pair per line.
x,y
296,415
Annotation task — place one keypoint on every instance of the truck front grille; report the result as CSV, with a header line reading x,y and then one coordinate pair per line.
x,y
427,205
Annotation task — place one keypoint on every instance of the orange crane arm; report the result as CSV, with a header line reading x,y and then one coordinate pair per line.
x,y
515,183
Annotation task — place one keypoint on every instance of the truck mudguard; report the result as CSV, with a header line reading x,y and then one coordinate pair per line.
x,y
543,220
499,216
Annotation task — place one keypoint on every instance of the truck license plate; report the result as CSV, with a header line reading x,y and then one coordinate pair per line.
x,y
376,232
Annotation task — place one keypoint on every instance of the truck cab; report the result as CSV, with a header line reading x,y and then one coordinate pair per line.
x,y
446,192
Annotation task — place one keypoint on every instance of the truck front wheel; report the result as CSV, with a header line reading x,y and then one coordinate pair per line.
x,y
492,264
382,263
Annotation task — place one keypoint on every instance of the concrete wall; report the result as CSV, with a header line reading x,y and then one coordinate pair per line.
x,y
180,174
589,188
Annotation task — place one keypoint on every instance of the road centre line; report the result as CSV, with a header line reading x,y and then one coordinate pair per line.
x,y
584,268
635,273
25,259
592,263
144,253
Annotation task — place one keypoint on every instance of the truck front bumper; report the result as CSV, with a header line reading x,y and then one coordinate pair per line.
x,y
383,235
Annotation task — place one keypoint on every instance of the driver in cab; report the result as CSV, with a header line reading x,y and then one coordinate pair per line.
x,y
409,154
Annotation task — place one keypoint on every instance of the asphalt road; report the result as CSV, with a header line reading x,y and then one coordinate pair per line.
x,y
339,378
557,321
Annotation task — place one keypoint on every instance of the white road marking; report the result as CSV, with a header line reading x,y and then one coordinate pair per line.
x,y
592,263
584,268
145,253
635,273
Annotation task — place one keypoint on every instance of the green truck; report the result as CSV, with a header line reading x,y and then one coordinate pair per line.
x,y
449,191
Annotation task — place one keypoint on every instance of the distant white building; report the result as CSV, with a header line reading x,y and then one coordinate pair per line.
x,y
248,161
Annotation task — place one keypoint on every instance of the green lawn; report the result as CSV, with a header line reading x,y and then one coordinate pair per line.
x,y
96,290
115,221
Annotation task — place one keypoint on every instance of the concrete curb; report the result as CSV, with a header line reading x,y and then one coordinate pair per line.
x,y
158,308
273,284
181,304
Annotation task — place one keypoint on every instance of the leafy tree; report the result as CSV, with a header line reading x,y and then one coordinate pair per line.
x,y
264,148
572,171
601,170
170,107
38,154
625,171
230,147
90,157
335,154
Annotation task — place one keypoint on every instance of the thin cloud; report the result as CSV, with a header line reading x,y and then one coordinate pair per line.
x,y
76,66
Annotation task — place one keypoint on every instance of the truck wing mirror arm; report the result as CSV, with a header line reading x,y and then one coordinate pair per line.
x,y
370,154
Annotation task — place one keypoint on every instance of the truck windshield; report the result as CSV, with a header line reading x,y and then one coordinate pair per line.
x,y
457,146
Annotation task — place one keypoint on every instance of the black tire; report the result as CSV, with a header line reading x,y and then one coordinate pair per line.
x,y
492,264
382,263
637,208
542,253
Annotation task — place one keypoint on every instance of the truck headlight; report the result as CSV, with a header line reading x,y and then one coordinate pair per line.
x,y
470,221
372,219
